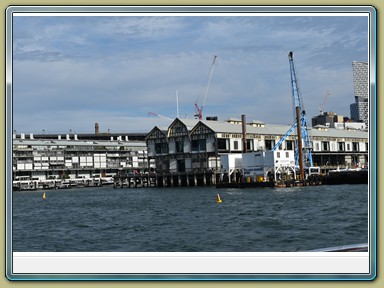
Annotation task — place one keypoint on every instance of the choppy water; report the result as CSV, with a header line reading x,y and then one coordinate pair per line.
x,y
190,219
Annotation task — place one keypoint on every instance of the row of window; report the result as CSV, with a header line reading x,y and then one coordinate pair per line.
x,y
199,145
341,146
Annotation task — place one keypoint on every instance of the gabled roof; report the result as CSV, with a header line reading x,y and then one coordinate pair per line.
x,y
188,124
156,130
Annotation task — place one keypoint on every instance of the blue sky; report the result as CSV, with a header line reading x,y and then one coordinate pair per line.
x,y
71,72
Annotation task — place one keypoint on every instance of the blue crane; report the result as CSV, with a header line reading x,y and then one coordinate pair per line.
x,y
303,154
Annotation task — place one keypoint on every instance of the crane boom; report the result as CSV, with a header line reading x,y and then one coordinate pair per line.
x,y
199,110
158,115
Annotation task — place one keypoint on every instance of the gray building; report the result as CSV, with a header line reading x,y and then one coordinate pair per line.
x,y
359,109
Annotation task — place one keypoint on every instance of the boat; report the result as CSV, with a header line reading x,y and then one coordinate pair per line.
x,y
347,176
64,185
24,185
363,247
107,180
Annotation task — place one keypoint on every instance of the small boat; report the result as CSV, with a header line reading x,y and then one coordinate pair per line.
x,y
107,180
65,185
346,248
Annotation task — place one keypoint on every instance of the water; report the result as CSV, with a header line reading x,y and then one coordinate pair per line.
x,y
189,219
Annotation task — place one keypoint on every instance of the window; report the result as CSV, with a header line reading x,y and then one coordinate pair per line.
x,y
289,144
195,145
181,165
269,144
325,145
158,148
179,146
199,145
161,148
278,154
341,146
164,148
249,145
222,144
236,145
355,146
202,145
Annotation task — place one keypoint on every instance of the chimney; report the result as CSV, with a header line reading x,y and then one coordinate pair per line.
x,y
31,136
244,126
97,131
58,137
67,137
75,137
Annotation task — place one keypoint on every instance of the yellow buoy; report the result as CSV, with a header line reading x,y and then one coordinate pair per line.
x,y
44,195
218,199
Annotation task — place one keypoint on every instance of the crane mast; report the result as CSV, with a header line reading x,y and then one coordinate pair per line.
x,y
303,149
199,110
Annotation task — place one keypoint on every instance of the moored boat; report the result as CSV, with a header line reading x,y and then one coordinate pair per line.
x,y
347,176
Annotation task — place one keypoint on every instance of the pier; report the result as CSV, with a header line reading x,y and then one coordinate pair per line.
x,y
185,179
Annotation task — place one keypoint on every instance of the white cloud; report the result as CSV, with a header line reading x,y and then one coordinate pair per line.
x,y
112,70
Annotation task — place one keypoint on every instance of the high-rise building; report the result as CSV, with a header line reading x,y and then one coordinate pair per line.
x,y
359,109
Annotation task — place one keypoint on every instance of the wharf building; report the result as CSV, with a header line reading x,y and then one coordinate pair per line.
x,y
43,157
359,109
189,151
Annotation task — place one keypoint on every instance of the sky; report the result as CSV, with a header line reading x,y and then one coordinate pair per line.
x,y
72,72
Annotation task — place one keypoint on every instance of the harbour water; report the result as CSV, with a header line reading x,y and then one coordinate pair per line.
x,y
105,219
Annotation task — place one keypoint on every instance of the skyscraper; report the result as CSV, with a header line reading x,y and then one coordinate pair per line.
x,y
359,109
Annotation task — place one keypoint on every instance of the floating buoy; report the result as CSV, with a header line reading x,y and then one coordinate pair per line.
x,y
44,195
218,199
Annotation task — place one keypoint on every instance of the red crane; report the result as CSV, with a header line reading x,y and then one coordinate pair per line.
x,y
199,110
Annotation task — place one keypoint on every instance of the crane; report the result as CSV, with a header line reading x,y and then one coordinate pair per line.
x,y
199,110
303,154
321,107
158,115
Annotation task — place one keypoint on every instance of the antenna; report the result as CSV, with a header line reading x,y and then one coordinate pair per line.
x,y
177,104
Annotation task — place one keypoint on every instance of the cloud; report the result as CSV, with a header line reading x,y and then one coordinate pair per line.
x,y
70,72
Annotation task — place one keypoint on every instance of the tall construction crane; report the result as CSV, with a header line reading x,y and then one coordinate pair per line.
x,y
303,154
199,110
321,107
